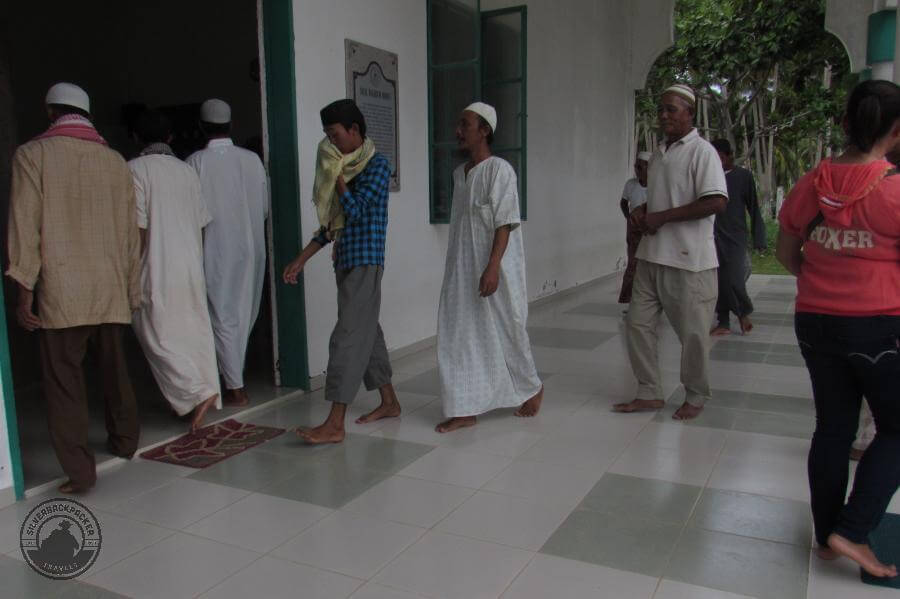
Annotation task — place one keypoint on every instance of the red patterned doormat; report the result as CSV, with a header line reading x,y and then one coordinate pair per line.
x,y
212,444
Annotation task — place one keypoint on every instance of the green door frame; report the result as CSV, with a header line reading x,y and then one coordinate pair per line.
x,y
9,408
283,158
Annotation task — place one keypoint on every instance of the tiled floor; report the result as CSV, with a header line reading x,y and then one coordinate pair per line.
x,y
576,503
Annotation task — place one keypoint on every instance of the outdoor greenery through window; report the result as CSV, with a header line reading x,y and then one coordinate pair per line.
x,y
474,55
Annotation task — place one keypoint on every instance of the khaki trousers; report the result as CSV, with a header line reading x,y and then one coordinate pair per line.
x,y
688,300
357,352
62,355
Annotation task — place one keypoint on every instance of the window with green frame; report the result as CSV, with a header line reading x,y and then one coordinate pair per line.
x,y
474,55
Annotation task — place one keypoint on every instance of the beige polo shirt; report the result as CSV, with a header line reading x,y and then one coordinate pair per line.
x,y
689,170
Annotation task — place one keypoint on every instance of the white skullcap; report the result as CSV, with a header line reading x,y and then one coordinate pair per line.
x,y
645,156
215,111
684,91
485,111
70,95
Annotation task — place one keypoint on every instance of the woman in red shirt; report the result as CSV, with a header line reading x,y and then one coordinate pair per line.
x,y
840,236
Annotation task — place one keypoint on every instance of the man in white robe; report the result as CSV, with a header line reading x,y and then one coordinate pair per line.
x,y
484,355
234,187
172,323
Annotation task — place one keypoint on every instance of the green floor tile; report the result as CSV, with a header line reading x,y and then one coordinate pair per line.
x,y
251,470
769,518
741,565
326,484
656,499
615,541
374,453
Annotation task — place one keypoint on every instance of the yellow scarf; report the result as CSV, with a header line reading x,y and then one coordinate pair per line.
x,y
330,163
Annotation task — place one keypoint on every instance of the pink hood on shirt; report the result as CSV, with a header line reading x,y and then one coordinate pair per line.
x,y
840,186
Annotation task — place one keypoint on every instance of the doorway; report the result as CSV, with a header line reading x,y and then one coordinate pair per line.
x,y
170,55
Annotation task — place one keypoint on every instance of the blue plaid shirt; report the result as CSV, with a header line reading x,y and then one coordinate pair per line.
x,y
365,206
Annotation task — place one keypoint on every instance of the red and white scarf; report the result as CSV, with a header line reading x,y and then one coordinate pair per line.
x,y
73,125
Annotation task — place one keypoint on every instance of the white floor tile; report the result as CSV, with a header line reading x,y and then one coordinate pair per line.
x,y
670,589
259,522
453,467
376,591
786,479
357,546
273,578
506,520
545,483
451,567
178,566
409,500
662,463
179,503
548,576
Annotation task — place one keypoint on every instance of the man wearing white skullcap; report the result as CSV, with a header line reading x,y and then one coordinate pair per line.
x,y
676,269
234,248
84,291
633,196
484,355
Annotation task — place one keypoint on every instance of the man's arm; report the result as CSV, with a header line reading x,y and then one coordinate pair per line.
x,y
789,251
24,237
490,279
371,187
293,270
705,206
623,204
757,226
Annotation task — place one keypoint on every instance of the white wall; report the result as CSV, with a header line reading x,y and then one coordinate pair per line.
x,y
580,107
415,249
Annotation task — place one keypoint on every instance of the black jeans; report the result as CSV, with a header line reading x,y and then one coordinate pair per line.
x,y
849,357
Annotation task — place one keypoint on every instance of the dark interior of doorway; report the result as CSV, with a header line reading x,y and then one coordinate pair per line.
x,y
167,54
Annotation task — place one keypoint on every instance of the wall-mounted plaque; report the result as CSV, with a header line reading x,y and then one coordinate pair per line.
x,y
372,83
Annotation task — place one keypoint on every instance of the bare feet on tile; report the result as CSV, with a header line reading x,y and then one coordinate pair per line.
x,y
856,454
639,405
389,407
862,554
236,397
322,434
687,412
746,325
452,424
200,412
720,332
827,553
532,406
71,488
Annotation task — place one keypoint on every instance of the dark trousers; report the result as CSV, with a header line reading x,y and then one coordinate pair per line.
x,y
733,297
62,355
849,357
633,239
357,352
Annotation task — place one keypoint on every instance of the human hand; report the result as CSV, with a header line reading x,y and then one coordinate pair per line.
x,y
490,280
653,221
26,318
636,218
292,270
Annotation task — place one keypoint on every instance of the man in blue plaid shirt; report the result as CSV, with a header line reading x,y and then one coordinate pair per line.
x,y
357,351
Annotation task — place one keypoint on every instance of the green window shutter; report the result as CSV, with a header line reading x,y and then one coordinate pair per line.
x,y
504,86
454,81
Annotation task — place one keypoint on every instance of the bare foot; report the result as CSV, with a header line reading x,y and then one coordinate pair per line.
x,y
532,406
70,488
746,325
826,553
200,411
321,434
385,410
720,331
862,554
639,405
453,424
687,412
856,454
236,397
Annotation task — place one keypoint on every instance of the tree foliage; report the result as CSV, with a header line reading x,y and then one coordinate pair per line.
x,y
771,80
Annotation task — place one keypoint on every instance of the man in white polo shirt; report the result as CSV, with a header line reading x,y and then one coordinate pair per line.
x,y
676,271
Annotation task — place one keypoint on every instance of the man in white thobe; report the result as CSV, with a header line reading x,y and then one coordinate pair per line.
x,y
484,356
234,187
172,323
